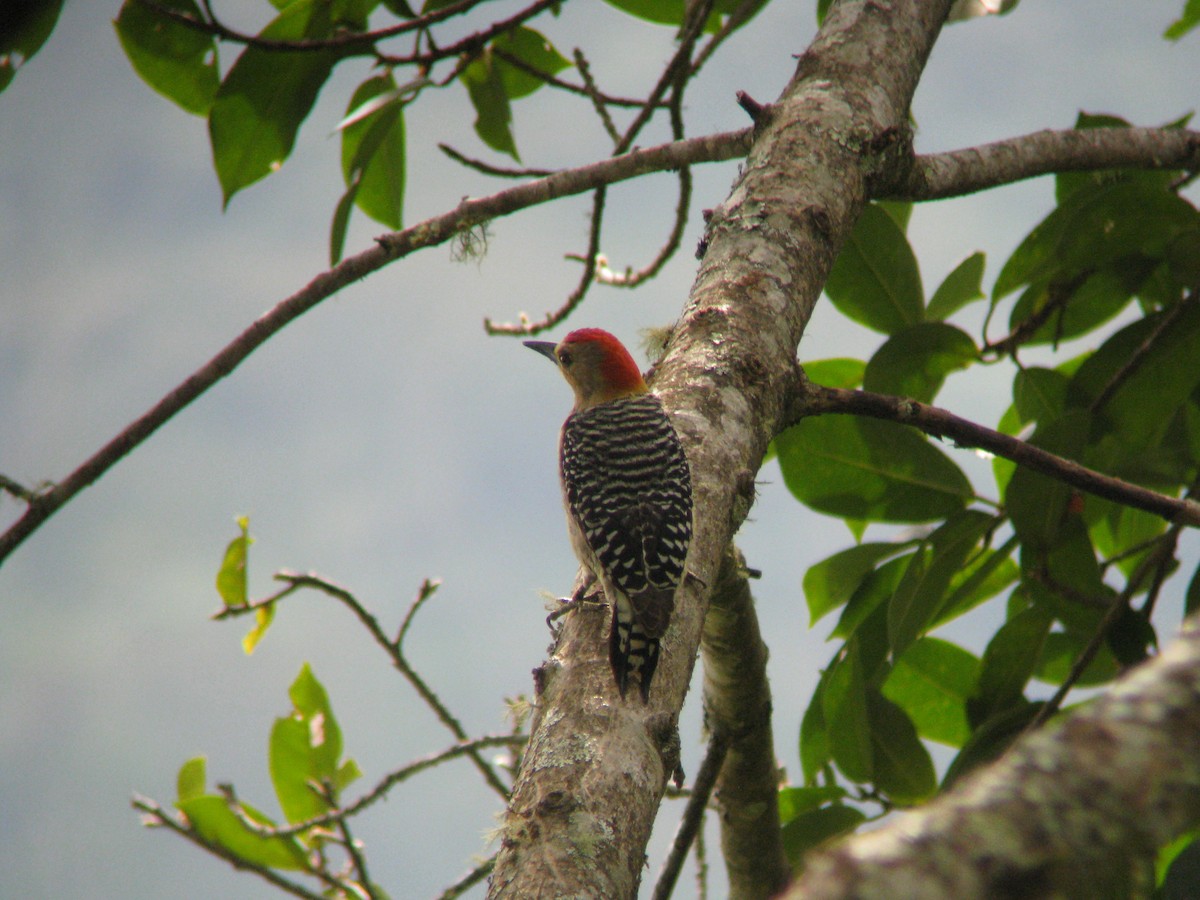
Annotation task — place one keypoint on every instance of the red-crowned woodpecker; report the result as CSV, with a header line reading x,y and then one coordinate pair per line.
x,y
627,491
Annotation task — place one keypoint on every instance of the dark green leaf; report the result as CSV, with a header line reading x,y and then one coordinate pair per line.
x,y
931,682
535,51
902,766
990,739
899,210
875,280
1100,297
1008,663
837,372
1039,394
814,736
814,827
670,12
1060,653
493,119
1191,601
871,595
1095,227
962,286
869,469
231,577
1177,871
178,62
212,818
373,160
831,582
1038,503
264,98
1140,404
27,27
796,800
985,577
914,361
1122,529
190,782
920,596
846,718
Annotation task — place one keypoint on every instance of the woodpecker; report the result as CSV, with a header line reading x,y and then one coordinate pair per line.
x,y
627,492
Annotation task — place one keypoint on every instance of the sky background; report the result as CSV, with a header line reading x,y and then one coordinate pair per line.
x,y
383,437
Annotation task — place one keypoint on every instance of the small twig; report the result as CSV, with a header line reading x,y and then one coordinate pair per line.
x,y
752,107
470,45
701,864
593,92
427,589
1059,294
18,490
556,82
357,860
693,816
468,881
524,326
158,817
212,25
488,169
382,787
814,399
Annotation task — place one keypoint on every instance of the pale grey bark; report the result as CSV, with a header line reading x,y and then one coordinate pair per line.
x,y
596,767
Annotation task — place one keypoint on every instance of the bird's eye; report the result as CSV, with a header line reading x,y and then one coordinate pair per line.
x,y
564,357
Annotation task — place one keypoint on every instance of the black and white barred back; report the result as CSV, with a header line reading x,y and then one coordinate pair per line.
x,y
628,488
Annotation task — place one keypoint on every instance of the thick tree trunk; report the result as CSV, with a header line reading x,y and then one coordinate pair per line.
x,y
595,768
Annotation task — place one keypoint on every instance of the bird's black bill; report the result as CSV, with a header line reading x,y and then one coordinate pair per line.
x,y
546,348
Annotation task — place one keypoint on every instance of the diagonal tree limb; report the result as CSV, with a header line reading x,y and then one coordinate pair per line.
x,y
737,705
814,399
1075,810
390,247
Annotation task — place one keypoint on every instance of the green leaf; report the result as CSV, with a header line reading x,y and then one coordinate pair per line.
x,y
670,12
931,682
1094,227
373,160
1039,394
190,782
963,286
305,749
535,51
814,736
265,96
868,469
919,598
980,580
914,361
1188,19
847,719
1008,663
1037,503
875,280
831,582
871,596
793,801
178,62
1060,653
214,821
493,118
903,768
1100,297
1142,403
816,826
837,372
990,739
28,26
231,577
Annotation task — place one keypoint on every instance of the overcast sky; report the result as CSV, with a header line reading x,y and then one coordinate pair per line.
x,y
382,438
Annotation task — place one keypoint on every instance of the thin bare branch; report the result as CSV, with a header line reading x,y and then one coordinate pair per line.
x,y
212,25
693,817
158,817
1139,355
390,247
813,399
468,881
488,169
599,102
